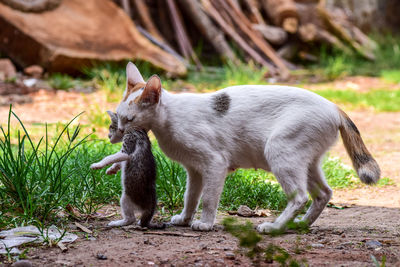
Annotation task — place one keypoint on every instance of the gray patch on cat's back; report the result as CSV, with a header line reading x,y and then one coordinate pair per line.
x,y
221,103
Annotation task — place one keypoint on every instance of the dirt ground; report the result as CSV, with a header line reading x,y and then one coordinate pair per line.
x,y
370,225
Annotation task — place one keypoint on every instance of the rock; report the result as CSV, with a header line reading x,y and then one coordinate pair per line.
x,y
317,245
34,71
22,263
373,244
245,211
101,256
230,255
7,69
76,34
63,263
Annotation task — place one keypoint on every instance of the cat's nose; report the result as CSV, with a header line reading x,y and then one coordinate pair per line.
x,y
120,130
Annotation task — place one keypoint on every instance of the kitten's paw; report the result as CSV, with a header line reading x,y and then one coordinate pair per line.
x,y
270,228
179,220
111,171
96,166
201,226
120,223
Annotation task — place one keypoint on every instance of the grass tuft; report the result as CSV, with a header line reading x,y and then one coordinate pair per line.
x,y
61,81
33,174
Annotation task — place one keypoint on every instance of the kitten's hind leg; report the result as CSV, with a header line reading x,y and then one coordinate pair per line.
x,y
319,190
128,215
145,220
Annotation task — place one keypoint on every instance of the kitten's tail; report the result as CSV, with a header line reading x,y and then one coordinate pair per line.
x,y
366,166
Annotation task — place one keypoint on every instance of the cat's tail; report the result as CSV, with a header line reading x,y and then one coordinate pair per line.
x,y
366,166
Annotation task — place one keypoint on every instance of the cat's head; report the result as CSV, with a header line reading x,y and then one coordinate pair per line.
x,y
140,100
114,135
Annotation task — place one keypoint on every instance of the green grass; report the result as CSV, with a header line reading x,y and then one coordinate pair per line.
x,y
335,64
391,75
380,100
62,81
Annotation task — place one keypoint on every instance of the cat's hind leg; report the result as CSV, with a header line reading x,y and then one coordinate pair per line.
x,y
128,214
290,169
293,183
319,190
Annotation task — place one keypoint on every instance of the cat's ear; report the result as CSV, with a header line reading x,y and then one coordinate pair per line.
x,y
112,115
133,75
151,93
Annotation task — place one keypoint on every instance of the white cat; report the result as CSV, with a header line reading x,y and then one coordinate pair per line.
x,y
282,129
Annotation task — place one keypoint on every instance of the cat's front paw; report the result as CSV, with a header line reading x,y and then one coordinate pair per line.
x,y
96,166
201,226
179,220
270,228
120,223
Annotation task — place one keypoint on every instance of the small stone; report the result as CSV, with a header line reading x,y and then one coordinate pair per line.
x,y
230,255
373,244
245,211
22,263
34,71
100,256
63,263
7,69
203,246
317,245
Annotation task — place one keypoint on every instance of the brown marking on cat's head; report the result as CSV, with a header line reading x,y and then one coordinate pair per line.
x,y
151,93
131,88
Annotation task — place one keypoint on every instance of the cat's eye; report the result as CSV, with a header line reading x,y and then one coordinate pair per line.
x,y
130,120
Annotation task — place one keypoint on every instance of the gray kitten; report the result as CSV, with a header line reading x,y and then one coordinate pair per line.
x,y
138,176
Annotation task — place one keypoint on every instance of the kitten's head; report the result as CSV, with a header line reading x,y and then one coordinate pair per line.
x,y
114,135
140,100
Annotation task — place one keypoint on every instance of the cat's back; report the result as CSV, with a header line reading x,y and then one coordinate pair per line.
x,y
273,99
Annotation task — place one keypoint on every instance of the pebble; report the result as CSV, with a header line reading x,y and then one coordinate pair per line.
x,y
373,244
230,255
317,245
22,263
63,263
34,71
101,256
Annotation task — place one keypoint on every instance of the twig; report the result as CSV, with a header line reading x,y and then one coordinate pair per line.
x,y
83,228
171,234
